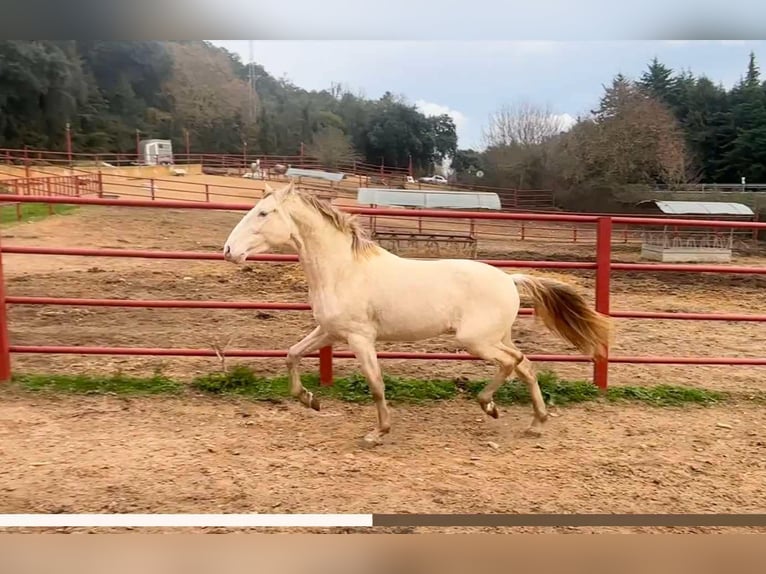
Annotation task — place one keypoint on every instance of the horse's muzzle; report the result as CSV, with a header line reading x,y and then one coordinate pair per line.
x,y
227,253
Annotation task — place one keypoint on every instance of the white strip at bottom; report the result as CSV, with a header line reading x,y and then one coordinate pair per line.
x,y
184,520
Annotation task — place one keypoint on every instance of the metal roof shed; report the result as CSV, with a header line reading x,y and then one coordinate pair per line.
x,y
709,209
315,173
698,243
428,199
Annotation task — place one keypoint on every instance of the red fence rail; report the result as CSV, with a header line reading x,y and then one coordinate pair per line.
x,y
603,266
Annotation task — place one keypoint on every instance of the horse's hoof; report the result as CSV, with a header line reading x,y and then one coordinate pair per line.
x,y
314,403
491,410
533,432
371,441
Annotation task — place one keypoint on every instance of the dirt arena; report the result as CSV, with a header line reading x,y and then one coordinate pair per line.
x,y
197,454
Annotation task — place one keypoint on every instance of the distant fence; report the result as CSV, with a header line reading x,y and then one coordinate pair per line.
x,y
236,163
711,187
368,174
492,233
71,185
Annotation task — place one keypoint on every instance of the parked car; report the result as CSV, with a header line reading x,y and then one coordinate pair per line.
x,y
433,179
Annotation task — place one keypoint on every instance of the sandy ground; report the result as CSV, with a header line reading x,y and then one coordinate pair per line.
x,y
107,454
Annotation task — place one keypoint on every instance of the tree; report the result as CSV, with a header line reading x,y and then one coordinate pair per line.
x,y
397,131
332,147
466,162
753,77
615,98
523,124
208,98
745,152
444,133
658,82
519,140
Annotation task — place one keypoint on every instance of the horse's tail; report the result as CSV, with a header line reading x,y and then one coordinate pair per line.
x,y
565,312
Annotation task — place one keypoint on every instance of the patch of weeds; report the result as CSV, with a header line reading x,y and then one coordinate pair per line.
x,y
555,391
242,380
666,395
99,384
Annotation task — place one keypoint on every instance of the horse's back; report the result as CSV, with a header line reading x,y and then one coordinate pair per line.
x,y
426,298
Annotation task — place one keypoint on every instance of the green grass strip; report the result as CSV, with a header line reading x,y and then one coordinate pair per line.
x,y
156,384
31,211
242,381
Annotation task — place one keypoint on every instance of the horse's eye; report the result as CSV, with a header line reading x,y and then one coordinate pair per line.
x,y
262,214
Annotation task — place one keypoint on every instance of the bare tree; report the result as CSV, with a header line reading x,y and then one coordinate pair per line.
x,y
332,147
637,141
523,124
204,88
519,140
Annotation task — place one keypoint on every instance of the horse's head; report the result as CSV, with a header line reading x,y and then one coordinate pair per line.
x,y
266,226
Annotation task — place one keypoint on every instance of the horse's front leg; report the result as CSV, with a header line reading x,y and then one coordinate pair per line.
x,y
363,348
314,341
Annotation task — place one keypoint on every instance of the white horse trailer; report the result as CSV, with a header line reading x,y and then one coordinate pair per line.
x,y
155,152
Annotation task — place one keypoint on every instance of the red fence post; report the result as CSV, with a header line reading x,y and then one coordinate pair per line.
x,y
603,275
325,366
5,344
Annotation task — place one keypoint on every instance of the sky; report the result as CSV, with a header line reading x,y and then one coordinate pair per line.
x,y
469,80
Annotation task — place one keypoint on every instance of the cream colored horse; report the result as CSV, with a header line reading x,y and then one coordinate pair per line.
x,y
360,293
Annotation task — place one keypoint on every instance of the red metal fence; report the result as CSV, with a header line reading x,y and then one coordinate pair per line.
x,y
69,185
603,266
30,157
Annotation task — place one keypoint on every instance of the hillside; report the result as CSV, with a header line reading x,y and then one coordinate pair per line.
x,y
107,91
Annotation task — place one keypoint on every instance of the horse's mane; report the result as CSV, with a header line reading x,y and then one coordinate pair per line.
x,y
348,224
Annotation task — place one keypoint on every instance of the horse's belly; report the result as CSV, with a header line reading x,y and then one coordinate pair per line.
x,y
412,323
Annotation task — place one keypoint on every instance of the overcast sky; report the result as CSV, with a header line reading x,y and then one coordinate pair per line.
x,y
471,79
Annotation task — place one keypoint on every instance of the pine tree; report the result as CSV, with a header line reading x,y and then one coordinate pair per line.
x,y
745,152
658,82
615,97
753,77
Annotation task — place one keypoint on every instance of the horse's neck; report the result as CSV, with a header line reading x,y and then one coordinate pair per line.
x,y
324,253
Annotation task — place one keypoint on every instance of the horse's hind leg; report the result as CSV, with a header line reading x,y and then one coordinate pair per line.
x,y
526,373
487,394
315,340
505,366
509,358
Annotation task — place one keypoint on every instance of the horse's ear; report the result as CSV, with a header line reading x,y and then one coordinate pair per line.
x,y
267,189
285,191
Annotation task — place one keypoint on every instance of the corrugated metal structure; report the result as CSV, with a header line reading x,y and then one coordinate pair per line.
x,y
693,244
428,199
314,173
716,208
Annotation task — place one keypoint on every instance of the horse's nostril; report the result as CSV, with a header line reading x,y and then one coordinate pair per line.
x,y
228,250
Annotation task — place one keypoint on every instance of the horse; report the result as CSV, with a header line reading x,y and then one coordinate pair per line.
x,y
361,293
